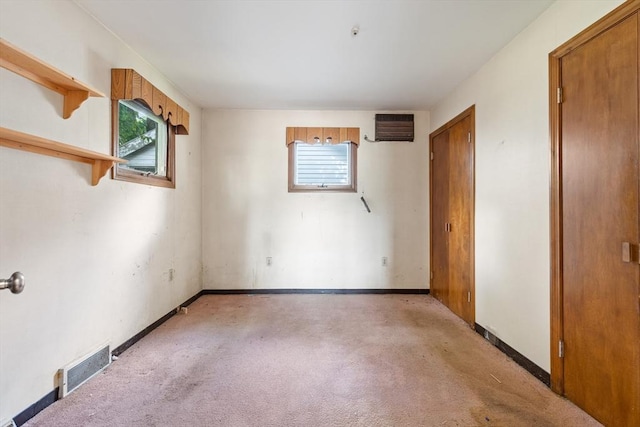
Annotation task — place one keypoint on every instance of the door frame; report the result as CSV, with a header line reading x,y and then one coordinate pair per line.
x,y
471,113
555,125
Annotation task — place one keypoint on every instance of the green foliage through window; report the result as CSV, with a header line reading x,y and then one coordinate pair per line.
x,y
142,139
133,125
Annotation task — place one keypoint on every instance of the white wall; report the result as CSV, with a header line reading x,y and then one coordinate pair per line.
x,y
512,177
96,259
315,240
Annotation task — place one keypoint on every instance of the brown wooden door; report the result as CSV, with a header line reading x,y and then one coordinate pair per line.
x,y
440,217
460,197
452,187
600,211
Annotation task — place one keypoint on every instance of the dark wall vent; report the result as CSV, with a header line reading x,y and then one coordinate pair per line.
x,y
394,127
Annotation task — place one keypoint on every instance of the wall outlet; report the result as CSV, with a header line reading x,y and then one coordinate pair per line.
x,y
384,261
7,423
269,261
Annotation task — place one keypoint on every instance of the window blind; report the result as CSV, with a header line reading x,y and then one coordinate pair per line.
x,y
322,165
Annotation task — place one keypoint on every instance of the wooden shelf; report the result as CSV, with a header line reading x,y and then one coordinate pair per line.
x,y
30,67
100,163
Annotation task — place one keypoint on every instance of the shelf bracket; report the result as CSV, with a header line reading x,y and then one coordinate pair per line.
x,y
100,163
72,100
28,66
100,169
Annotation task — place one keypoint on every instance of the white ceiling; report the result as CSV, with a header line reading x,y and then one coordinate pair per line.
x,y
287,54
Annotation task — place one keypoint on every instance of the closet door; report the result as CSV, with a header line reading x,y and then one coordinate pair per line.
x,y
452,191
440,217
460,196
600,225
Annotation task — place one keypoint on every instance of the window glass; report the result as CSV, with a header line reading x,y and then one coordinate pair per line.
x,y
322,165
142,139
146,142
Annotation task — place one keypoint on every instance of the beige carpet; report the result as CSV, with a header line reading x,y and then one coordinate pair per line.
x,y
313,360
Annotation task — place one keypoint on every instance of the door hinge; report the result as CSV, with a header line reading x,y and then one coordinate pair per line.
x,y
469,296
469,136
432,155
431,275
560,348
559,95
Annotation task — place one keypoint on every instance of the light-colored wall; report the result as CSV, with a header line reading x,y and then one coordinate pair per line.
x,y
96,259
315,240
512,176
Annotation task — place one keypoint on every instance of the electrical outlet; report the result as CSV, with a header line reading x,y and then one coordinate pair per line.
x,y
7,423
269,261
384,261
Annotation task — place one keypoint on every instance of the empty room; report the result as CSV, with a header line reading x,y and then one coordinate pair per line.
x,y
319,213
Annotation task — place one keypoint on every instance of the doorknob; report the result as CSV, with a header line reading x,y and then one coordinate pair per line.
x,y
15,283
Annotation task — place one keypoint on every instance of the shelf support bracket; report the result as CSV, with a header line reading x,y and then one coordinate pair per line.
x,y
99,169
72,100
28,66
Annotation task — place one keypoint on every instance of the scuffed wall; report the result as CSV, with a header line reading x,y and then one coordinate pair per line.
x,y
97,260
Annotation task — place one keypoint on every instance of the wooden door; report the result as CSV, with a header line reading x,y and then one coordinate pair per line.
x,y
460,197
452,189
598,187
440,218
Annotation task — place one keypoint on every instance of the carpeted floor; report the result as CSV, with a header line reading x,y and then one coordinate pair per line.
x,y
313,360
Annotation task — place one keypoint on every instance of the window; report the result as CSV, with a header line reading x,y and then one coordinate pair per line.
x,y
146,141
322,163
145,123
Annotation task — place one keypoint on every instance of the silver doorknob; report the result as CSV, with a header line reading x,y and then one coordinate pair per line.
x,y
15,283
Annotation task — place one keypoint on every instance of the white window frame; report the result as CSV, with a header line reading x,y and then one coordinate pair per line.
x,y
165,149
351,186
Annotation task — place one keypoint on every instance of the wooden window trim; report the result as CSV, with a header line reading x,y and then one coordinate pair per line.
x,y
127,84
121,174
315,135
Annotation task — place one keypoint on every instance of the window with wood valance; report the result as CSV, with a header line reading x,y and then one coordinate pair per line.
x,y
322,159
129,85
144,122
323,135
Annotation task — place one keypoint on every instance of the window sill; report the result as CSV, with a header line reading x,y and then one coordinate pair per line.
x,y
140,178
315,189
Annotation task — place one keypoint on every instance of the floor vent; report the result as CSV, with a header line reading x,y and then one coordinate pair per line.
x,y
75,374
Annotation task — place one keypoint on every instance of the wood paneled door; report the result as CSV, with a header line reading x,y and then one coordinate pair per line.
x,y
452,215
596,218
